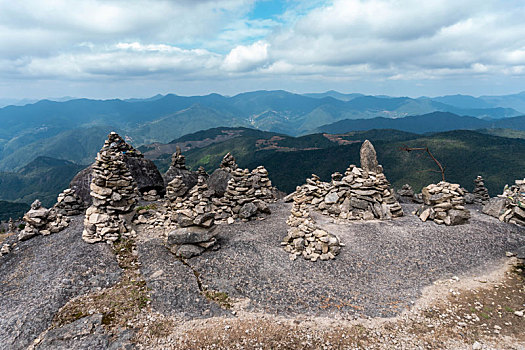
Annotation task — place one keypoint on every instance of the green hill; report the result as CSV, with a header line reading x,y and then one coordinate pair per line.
x,y
12,210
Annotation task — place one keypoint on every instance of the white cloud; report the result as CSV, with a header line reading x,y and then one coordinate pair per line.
x,y
244,58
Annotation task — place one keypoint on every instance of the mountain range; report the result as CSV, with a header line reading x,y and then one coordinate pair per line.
x,y
47,127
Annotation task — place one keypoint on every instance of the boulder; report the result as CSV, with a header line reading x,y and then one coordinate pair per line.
x,y
247,210
190,235
218,181
495,207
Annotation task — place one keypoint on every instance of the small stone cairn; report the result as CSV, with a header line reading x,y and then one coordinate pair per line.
x,y
11,228
69,203
444,204
360,194
40,220
509,206
197,221
114,195
407,195
481,194
304,238
228,162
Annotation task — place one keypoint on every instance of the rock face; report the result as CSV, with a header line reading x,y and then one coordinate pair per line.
x,y
178,168
444,204
358,195
40,220
509,206
69,203
144,173
114,195
481,194
304,238
369,158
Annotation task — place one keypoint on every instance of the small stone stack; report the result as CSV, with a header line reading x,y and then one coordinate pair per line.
x,y
228,162
509,206
69,203
178,160
202,172
175,192
247,194
11,228
197,222
40,220
444,204
114,195
305,238
481,194
405,194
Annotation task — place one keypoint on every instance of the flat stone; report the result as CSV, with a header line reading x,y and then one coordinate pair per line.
x,y
192,234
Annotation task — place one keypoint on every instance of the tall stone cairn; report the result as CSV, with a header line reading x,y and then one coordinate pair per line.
x,y
178,160
305,239
114,195
481,194
510,205
444,204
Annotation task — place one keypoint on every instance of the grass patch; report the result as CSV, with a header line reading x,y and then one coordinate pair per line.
x,y
221,298
152,206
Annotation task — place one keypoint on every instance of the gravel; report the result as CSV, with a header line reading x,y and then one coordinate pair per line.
x,y
40,275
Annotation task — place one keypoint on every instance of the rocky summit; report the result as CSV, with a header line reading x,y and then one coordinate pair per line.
x,y
443,204
114,195
214,265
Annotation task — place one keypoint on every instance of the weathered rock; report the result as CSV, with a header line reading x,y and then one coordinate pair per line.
x,y
369,158
248,210
218,181
495,206
190,235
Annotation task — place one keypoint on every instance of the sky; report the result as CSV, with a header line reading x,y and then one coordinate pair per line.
x,y
139,48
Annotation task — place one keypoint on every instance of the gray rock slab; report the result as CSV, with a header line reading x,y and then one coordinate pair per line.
x,y
383,267
173,285
40,275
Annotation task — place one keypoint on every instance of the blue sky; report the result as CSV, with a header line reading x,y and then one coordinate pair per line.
x,y
138,48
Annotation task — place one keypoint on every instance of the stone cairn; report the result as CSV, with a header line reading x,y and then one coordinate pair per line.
x,y
114,195
509,206
359,194
197,223
11,228
305,238
40,220
407,195
69,203
444,204
202,172
228,162
481,194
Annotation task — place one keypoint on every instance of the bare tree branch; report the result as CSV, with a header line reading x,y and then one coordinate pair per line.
x,y
425,149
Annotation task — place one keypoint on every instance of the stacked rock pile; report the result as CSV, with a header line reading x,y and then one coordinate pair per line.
x,y
247,194
178,168
304,238
175,192
40,220
359,194
228,162
202,172
481,194
11,228
114,195
197,221
5,249
69,203
444,204
144,172
407,195
509,206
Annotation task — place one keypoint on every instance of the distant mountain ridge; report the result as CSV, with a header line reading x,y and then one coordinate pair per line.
x,y
47,127
431,122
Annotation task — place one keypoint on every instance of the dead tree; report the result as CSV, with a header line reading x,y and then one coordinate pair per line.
x,y
425,149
